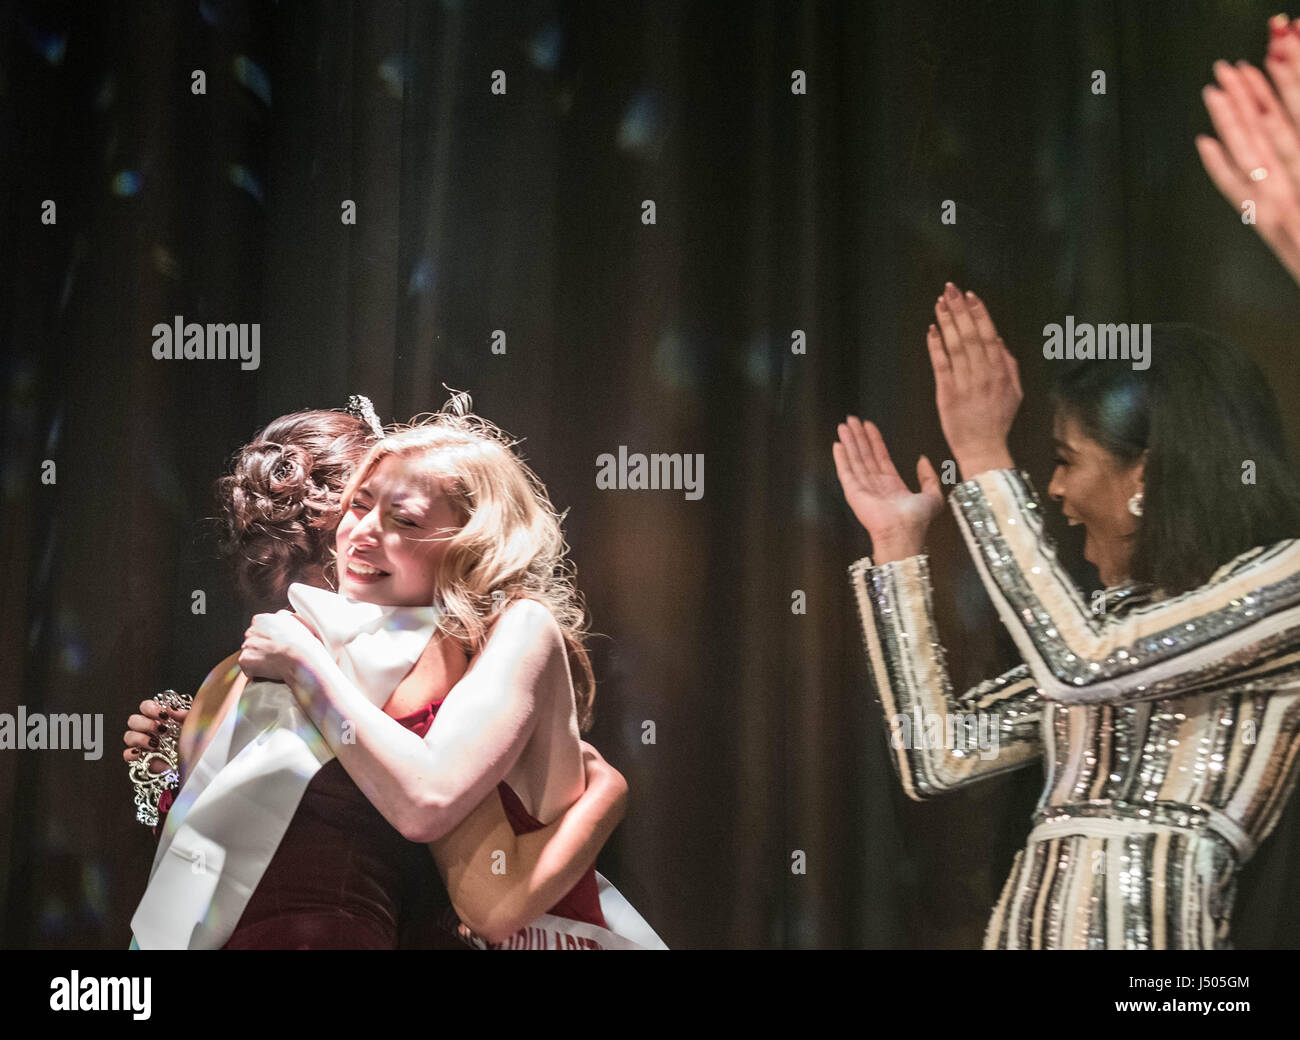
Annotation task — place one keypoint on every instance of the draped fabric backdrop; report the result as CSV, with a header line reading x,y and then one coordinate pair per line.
x,y
764,811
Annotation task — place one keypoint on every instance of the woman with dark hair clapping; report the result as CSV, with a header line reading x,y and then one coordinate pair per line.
x,y
1166,709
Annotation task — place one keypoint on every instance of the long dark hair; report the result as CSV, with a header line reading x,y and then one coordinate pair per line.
x,y
1202,410
279,505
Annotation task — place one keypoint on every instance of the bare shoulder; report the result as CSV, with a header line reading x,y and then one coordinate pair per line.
x,y
528,618
524,652
526,628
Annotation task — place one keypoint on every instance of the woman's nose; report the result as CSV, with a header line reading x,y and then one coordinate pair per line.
x,y
368,527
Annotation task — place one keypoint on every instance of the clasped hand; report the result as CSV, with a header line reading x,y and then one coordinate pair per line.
x,y
276,646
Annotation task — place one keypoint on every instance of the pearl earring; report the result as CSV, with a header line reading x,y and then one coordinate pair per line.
x,y
1135,504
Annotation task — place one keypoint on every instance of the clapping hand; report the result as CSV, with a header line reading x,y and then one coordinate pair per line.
x,y
896,518
977,382
1255,162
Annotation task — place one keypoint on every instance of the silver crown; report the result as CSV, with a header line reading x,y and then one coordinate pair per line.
x,y
360,406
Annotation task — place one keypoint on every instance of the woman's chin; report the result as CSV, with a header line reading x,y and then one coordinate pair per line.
x,y
355,590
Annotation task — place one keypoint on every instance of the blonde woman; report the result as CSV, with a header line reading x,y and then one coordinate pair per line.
x,y
445,513
340,876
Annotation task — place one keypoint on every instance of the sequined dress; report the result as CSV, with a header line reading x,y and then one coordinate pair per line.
x,y
1169,728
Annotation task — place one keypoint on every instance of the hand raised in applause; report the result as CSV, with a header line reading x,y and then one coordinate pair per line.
x,y
896,517
1255,160
977,382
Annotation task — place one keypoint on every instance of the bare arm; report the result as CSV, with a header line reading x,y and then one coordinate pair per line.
x,y
499,881
424,787
218,694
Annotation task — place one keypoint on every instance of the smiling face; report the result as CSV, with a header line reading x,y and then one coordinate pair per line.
x,y
1094,488
394,533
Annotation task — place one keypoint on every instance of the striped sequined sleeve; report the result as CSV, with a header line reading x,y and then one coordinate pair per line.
x,y
937,741
1248,612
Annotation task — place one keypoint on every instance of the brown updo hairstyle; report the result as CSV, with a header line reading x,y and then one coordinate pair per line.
x,y
279,505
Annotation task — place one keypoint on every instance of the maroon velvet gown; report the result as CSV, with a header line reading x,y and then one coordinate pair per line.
x,y
343,878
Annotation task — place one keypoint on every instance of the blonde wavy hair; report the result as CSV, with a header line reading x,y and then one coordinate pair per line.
x,y
510,545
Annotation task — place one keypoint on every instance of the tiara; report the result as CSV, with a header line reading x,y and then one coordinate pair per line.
x,y
359,405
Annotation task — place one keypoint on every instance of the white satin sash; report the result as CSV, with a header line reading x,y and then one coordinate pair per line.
x,y
230,816
627,929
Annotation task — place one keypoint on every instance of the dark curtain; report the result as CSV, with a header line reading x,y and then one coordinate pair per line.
x,y
522,212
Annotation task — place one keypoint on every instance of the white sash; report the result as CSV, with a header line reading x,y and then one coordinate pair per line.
x,y
627,929
230,816
228,819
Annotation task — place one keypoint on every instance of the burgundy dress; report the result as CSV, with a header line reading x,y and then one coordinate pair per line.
x,y
583,900
343,877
